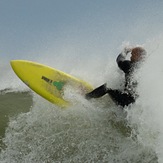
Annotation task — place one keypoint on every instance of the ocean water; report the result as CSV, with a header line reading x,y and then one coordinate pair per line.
x,y
36,131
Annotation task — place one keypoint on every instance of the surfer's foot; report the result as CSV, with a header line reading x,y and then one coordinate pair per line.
x,y
88,96
98,92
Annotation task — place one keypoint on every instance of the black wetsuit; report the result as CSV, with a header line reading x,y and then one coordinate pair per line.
x,y
123,98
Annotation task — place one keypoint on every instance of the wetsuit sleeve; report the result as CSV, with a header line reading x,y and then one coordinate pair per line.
x,y
123,64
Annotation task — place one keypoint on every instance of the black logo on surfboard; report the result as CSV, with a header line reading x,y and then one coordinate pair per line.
x,y
58,84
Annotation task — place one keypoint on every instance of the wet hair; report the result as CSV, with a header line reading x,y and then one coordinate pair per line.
x,y
140,50
138,54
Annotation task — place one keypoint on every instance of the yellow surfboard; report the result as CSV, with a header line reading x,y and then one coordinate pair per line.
x,y
48,82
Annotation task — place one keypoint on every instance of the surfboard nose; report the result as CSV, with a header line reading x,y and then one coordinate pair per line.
x,y
16,65
13,62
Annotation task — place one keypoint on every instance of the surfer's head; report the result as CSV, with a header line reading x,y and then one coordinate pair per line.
x,y
137,54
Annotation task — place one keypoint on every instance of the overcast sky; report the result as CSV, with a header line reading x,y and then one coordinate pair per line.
x,y
30,28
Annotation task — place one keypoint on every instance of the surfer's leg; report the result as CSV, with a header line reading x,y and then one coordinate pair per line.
x,y
98,92
120,98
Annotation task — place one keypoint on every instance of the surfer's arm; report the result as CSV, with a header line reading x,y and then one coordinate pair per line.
x,y
124,64
122,56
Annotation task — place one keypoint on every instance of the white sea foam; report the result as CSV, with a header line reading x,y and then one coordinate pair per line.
x,y
94,130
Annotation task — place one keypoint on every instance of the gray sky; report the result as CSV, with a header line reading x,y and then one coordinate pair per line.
x,y
33,28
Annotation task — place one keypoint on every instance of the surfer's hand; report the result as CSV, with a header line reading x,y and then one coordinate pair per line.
x,y
127,50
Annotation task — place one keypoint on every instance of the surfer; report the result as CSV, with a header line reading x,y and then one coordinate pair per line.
x,y
129,94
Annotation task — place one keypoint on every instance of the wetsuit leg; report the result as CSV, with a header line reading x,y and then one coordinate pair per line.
x,y
98,92
120,98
